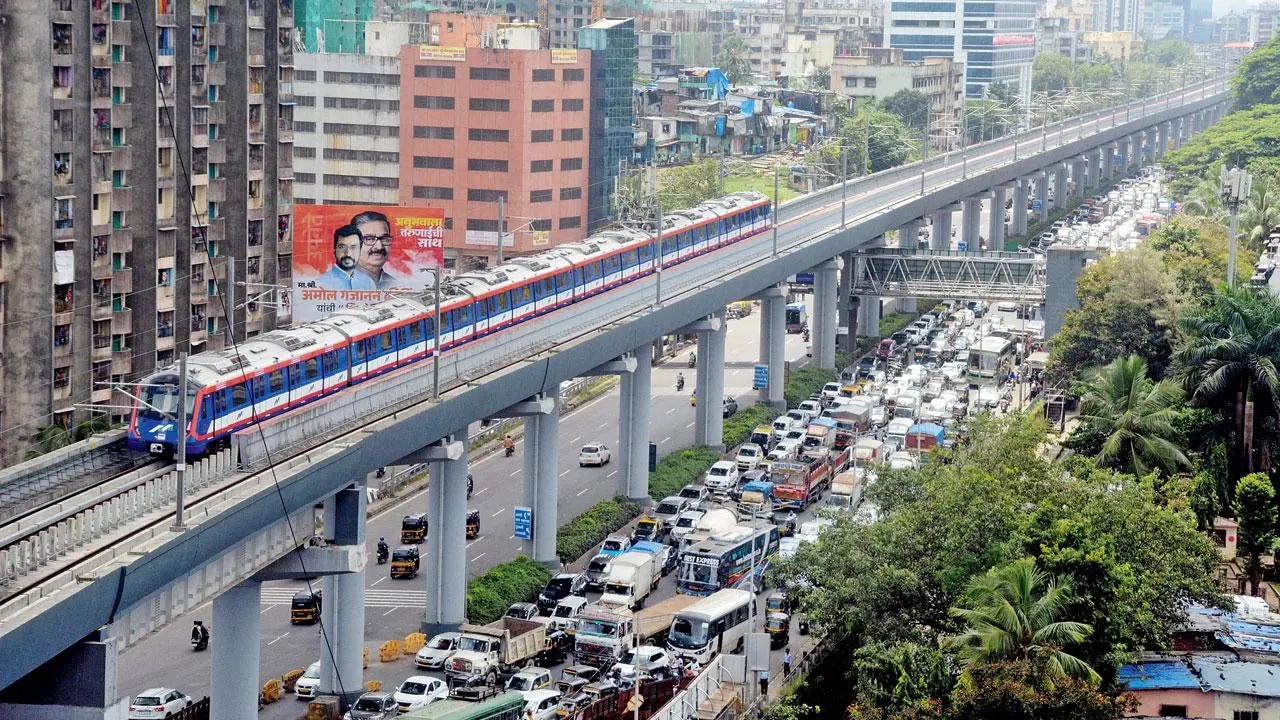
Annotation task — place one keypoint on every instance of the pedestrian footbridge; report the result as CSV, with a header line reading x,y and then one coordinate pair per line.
x,y
955,274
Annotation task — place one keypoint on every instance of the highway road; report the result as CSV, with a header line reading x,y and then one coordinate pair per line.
x,y
393,607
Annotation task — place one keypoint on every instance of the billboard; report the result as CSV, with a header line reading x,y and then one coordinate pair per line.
x,y
350,256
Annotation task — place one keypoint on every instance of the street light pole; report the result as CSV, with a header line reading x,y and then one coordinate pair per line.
x,y
844,181
179,512
502,223
1236,184
775,210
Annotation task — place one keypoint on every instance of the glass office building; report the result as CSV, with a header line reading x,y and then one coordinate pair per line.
x,y
995,39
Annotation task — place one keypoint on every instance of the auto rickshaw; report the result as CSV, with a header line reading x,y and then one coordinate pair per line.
x,y
777,602
648,528
571,686
404,562
556,649
473,524
305,609
778,626
413,529
572,705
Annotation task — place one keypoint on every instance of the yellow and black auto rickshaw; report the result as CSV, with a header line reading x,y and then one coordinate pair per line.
x,y
778,626
473,524
413,529
404,562
305,609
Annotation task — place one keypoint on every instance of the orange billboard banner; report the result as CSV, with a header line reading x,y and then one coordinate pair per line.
x,y
348,256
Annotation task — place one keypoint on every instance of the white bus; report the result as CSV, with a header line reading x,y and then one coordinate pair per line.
x,y
714,624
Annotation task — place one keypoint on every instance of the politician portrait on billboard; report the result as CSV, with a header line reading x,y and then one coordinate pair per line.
x,y
350,257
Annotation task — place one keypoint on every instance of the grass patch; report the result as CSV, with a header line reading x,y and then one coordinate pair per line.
x,y
805,382
679,469
760,181
491,593
578,536
737,429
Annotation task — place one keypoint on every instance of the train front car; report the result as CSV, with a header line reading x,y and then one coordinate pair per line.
x,y
154,426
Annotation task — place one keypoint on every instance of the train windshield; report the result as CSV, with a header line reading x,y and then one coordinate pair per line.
x,y
160,397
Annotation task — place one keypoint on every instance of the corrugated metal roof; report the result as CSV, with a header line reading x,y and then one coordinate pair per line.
x,y
1244,678
1160,675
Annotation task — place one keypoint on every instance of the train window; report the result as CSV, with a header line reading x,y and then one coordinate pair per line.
x,y
526,294
645,252
612,263
668,245
429,327
502,301
277,381
414,331
219,401
592,270
548,286
357,349
564,281
259,388
385,339
465,313
312,369
295,376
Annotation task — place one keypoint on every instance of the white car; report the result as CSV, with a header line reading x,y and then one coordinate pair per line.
x,y
593,454
438,649
645,660
529,680
723,475
157,703
810,530
831,390
685,523
307,685
748,457
541,704
420,691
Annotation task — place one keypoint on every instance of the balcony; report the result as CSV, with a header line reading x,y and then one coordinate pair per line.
x,y
122,116
284,247
122,281
102,308
216,75
122,321
121,240
164,343
121,363
217,191
122,197
120,32
122,158
101,348
284,131
63,350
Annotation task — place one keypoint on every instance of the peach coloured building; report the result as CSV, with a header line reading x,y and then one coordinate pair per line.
x,y
483,123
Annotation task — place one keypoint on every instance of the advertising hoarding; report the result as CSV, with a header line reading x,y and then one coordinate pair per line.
x,y
351,256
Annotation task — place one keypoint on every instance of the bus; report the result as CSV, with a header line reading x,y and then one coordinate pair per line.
x,y
991,360
735,557
797,318
507,706
719,623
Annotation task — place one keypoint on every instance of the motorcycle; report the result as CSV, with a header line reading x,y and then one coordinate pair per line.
x,y
693,360
199,638
805,334
679,384
510,450
383,554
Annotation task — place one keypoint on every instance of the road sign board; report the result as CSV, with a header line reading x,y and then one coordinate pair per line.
x,y
524,523
962,246
761,377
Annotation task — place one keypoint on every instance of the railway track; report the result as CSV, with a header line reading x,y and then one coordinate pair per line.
x,y
31,486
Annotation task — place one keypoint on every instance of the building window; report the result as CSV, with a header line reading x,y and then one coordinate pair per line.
x,y
433,71
544,105
358,78
570,193
377,156
541,225
433,102
487,135
571,134
485,165
571,164
489,104
540,136
544,75
432,193
305,178
1244,715
361,181
482,225
568,223
433,161
364,104
386,131
539,196
537,166
481,195
303,127
304,75
869,82
571,75
1173,711
571,104
431,132
485,73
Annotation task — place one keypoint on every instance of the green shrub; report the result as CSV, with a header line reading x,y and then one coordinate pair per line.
x,y
737,429
893,322
805,382
679,469
491,593
578,536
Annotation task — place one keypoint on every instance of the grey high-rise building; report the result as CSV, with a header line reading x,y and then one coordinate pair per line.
x,y
146,149
612,43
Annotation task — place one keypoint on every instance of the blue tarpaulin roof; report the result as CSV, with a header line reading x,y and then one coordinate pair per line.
x,y
1159,675
928,429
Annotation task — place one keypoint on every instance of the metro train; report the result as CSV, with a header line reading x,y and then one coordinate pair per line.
x,y
274,373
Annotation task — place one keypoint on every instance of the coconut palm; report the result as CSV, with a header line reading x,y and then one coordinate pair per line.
x,y
1232,362
1259,214
1205,197
1011,614
1135,417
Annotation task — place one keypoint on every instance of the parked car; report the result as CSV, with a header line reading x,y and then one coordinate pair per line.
x,y
560,587
697,495
593,454
306,686
157,703
671,506
374,706
723,475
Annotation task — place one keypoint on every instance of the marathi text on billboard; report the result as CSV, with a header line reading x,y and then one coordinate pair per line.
x,y
444,53
564,56
349,257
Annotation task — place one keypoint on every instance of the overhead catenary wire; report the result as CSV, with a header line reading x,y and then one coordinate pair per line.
x,y
220,294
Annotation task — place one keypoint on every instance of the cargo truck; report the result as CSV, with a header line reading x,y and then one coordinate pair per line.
x,y
486,651
756,501
798,484
869,451
847,488
632,576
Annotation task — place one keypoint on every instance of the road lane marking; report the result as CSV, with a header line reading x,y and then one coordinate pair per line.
x,y
513,537
375,584
670,410
566,472
264,610
481,491
515,473
390,611
498,513
575,440
473,542
582,492
688,426
477,557
273,642
666,439
615,472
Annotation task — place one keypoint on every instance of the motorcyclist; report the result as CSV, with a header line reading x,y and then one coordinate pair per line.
x,y
679,382
383,548
693,359
199,635
509,445
791,521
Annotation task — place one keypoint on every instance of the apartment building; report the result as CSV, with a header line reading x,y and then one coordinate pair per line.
x,y
146,150
347,129
882,72
479,124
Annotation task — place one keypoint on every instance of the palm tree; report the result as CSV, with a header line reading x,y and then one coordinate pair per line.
x,y
1259,214
1011,614
733,60
1135,416
1205,198
1232,362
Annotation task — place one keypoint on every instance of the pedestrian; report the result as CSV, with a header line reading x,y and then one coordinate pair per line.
x,y
764,683
786,663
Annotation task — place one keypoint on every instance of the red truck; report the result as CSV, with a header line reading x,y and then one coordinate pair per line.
x,y
797,484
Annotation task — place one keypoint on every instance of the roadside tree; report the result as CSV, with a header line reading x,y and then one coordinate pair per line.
x,y
1256,513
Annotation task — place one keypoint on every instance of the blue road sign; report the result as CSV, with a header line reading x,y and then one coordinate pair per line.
x,y
1036,205
524,523
761,378
962,246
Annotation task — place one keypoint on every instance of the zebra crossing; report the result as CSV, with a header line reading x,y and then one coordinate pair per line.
x,y
373,597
